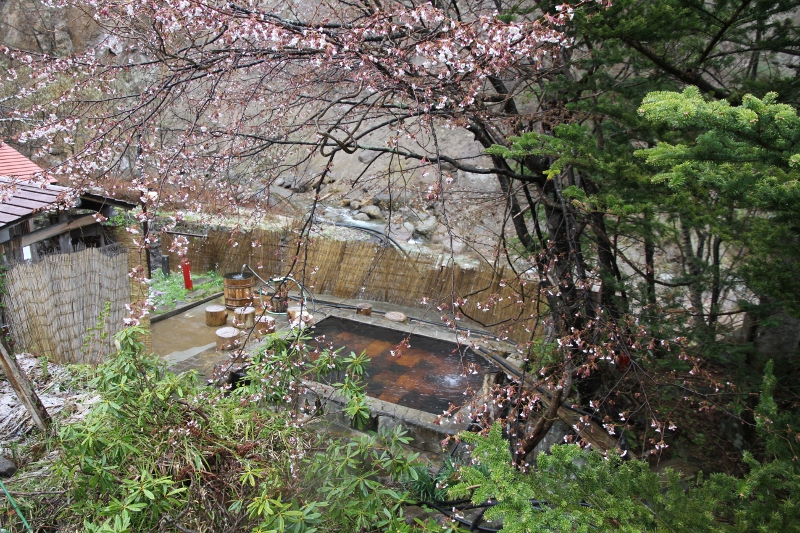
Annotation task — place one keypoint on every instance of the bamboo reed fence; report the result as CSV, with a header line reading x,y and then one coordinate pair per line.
x,y
69,306
369,271
138,291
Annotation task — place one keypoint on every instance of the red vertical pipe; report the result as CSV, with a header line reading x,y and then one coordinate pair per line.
x,y
187,274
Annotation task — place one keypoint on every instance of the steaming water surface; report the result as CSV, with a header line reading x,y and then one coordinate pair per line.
x,y
429,376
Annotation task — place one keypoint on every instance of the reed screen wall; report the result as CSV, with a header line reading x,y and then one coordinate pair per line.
x,y
69,306
364,270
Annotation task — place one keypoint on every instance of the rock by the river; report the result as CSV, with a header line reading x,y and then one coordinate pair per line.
x,y
372,211
427,227
368,156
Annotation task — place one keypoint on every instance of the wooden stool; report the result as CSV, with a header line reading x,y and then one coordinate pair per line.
x,y
216,315
244,317
294,312
294,315
227,338
394,316
364,309
264,325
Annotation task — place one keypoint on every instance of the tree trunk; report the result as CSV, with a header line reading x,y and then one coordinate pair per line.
x,y
244,317
716,287
609,270
228,338
694,268
517,217
545,422
649,263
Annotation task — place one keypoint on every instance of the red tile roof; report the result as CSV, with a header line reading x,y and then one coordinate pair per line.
x,y
21,197
15,165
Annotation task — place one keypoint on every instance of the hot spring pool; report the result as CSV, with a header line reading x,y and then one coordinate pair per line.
x,y
428,376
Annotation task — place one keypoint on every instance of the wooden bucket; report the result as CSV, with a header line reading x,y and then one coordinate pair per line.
x,y
275,302
238,289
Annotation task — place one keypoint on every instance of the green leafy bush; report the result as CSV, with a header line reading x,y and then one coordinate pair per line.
x,y
157,447
578,491
159,452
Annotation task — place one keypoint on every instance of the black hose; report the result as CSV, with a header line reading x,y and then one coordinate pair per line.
x,y
449,514
387,240
447,508
281,280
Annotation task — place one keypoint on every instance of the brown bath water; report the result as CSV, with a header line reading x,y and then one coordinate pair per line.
x,y
428,376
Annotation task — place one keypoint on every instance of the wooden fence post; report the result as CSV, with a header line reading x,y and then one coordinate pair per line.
x,y
24,389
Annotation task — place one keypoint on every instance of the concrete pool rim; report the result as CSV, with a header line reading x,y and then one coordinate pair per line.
x,y
428,430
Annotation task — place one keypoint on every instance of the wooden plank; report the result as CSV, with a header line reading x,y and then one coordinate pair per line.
x,y
57,229
24,389
107,201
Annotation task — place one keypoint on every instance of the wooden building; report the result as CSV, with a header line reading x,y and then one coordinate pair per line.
x,y
38,217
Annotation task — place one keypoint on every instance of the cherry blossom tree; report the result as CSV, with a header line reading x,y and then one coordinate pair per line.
x,y
207,103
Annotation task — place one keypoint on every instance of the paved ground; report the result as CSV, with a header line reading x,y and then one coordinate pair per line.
x,y
186,343
184,332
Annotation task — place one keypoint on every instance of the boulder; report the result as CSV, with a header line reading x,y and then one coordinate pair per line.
x,y
314,182
448,167
558,431
63,39
412,513
440,235
368,156
399,232
344,202
278,182
781,336
355,204
394,201
362,217
372,211
7,467
732,431
427,227
114,45
382,200
299,185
